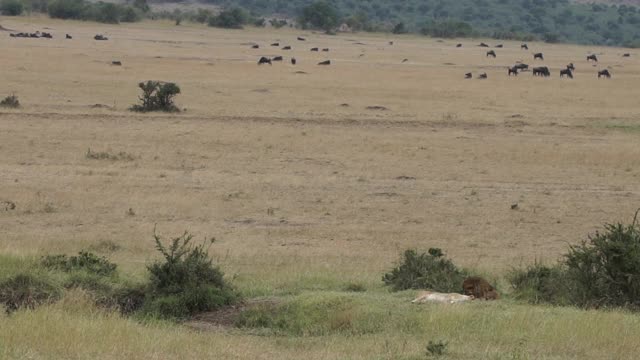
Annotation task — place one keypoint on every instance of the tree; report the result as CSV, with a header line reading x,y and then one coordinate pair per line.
x,y
400,28
319,15
230,19
11,7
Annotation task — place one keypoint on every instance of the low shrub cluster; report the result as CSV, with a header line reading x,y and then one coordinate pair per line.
x,y
157,96
104,12
27,290
10,101
11,7
430,270
86,261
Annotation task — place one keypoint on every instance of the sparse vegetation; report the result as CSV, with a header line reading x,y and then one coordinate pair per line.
x,y
11,7
105,155
27,290
437,348
157,96
233,18
85,261
104,12
430,270
10,101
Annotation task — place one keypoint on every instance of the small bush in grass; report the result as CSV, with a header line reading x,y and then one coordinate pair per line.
x,y
186,281
10,101
430,270
539,283
157,96
437,348
27,291
84,261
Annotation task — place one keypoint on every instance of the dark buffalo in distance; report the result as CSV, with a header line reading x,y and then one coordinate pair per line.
x,y
604,73
541,71
405,60
524,47
592,57
315,49
468,76
46,35
513,70
459,45
255,46
499,46
286,48
116,63
566,72
67,36
275,44
264,60
538,56
482,76
626,55
483,45
301,38
293,61
390,42
325,49
521,66
277,58
491,53
326,62
100,37
571,67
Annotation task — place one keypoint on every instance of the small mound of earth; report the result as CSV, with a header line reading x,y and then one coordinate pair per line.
x,y
100,106
301,72
344,105
260,90
381,108
226,317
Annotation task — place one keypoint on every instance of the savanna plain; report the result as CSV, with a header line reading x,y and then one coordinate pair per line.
x,y
313,180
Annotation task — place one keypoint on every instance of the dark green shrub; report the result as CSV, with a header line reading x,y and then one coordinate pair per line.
x,y
66,9
426,271
319,15
186,281
542,284
10,101
11,7
129,14
157,96
86,261
233,18
437,348
27,291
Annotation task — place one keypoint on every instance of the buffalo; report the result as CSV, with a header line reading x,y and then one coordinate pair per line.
x,y
482,76
286,48
538,56
566,72
100,37
68,36
491,53
592,57
301,38
46,35
626,55
277,58
521,66
513,70
326,62
499,46
264,60
483,45
293,61
604,73
541,71
459,45
571,67
405,60
275,44
315,49
116,63
524,47
468,76
255,46
325,49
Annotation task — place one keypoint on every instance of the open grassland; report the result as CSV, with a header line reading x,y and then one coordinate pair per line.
x,y
306,195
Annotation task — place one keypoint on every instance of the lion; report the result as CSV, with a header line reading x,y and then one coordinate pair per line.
x,y
479,288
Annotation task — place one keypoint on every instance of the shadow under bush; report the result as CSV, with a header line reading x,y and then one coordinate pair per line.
x,y
430,270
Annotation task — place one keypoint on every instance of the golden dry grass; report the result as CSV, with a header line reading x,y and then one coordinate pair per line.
x,y
301,192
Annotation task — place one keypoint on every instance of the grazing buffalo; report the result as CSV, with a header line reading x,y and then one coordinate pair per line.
x,y
264,60
326,62
483,45
521,66
459,45
499,46
626,55
116,63
429,296
513,70
482,76
275,44
524,47
277,58
541,71
405,60
286,48
315,49
46,35
325,49
68,36
293,61
491,53
538,56
592,57
566,72
390,42
255,46
604,73
100,37
571,67
301,38
468,76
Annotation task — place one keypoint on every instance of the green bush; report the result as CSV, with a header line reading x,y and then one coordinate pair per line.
x,y
11,7
66,9
233,18
539,284
84,261
431,271
157,96
186,281
27,290
319,15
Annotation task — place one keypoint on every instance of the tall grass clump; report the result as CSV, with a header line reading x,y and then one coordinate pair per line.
x,y
27,290
430,270
185,281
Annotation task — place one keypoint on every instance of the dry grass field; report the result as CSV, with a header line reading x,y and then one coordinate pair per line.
x,y
305,188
